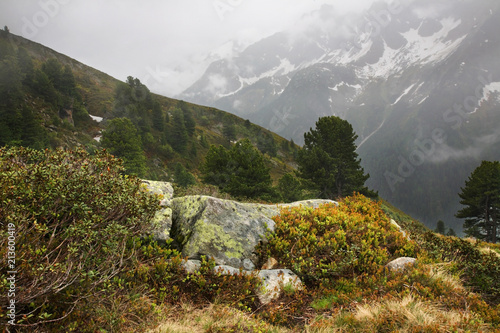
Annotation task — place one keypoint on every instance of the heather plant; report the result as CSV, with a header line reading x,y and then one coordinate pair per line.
x,y
333,242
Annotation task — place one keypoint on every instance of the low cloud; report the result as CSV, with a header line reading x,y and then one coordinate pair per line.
x,y
445,153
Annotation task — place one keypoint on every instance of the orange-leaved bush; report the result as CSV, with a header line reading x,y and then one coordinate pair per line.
x,y
331,242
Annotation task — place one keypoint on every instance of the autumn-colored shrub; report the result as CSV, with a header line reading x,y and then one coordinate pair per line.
x,y
332,242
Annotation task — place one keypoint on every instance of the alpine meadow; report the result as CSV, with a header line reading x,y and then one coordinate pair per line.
x,y
338,174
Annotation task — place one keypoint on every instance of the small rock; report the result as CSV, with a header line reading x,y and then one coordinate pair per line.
x,y
248,265
229,270
191,266
400,263
273,282
271,263
394,223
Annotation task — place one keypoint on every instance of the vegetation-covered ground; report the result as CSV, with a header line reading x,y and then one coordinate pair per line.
x,y
84,265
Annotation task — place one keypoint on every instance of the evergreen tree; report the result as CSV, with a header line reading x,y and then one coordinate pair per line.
x,y
178,135
182,177
481,196
329,159
122,140
43,86
290,188
451,232
229,130
158,119
240,171
440,228
216,167
189,121
26,66
67,82
266,144
54,71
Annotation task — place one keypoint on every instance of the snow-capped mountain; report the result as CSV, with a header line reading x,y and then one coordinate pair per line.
x,y
418,80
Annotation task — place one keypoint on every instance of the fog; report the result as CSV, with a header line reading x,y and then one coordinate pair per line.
x,y
167,44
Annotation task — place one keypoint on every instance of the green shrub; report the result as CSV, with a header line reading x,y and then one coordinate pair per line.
x,y
479,269
77,225
332,242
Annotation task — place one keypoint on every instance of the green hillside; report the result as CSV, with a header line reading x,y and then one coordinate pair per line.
x,y
38,110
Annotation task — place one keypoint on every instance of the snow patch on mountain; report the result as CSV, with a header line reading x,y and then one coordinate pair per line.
x,y
404,94
433,48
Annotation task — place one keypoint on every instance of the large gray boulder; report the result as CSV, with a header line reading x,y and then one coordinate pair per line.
x,y
226,230
163,219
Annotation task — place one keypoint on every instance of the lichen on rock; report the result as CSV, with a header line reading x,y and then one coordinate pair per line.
x,y
225,230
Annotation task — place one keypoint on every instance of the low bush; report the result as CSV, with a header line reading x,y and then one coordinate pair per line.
x,y
332,242
77,224
479,268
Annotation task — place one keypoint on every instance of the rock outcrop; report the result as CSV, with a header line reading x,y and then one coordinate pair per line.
x,y
163,219
226,230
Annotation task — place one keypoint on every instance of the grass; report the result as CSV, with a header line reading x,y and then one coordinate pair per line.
x,y
214,318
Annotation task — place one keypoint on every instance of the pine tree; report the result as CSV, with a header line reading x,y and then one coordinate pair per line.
x,y
481,196
329,160
240,171
182,177
157,117
122,140
290,188
440,227
189,121
178,136
229,130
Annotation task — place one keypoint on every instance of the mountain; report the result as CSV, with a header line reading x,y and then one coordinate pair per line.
x,y
49,100
418,80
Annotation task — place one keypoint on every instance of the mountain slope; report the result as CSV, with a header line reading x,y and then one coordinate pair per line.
x,y
418,80
70,119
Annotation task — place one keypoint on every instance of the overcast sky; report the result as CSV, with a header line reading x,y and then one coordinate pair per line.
x,y
165,43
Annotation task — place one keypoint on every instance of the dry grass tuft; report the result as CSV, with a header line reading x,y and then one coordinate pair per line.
x,y
214,318
411,315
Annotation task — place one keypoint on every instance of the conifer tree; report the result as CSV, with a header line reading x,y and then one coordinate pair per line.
x,y
189,121
240,171
329,160
178,136
481,196
122,140
157,117
182,177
